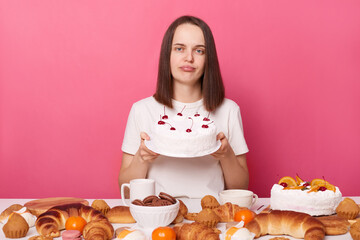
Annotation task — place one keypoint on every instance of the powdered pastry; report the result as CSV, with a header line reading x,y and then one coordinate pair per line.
x,y
183,136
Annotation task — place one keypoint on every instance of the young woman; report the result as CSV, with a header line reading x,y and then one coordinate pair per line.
x,y
189,75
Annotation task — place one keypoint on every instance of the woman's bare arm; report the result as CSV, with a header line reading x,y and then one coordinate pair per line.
x,y
136,166
235,170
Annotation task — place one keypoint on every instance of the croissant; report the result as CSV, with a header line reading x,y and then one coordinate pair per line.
x,y
50,222
195,231
98,229
227,211
296,224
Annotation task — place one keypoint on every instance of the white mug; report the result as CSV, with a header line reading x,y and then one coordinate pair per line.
x,y
139,189
241,197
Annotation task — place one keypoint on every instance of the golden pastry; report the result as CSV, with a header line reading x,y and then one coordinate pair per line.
x,y
39,237
227,211
16,227
348,209
195,231
9,210
190,216
334,225
207,217
120,214
209,201
279,238
355,230
100,205
183,210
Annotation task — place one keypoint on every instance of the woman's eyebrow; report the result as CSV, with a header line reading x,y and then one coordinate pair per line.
x,y
181,44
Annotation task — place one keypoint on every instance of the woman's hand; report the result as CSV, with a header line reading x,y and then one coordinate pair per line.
x,y
236,174
136,166
146,155
225,150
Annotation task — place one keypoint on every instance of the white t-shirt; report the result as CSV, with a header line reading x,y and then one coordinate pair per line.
x,y
185,177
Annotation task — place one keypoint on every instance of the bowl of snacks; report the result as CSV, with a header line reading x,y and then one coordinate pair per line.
x,y
154,211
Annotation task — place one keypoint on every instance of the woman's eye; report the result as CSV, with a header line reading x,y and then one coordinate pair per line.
x,y
200,51
179,49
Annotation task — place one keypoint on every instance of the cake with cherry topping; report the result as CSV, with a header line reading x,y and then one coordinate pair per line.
x,y
316,198
183,135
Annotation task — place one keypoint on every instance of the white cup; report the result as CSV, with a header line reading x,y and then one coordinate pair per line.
x,y
139,189
241,197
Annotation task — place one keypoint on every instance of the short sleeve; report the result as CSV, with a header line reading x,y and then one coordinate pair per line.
x,y
236,133
131,140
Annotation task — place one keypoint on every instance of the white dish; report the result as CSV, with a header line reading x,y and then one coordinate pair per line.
x,y
149,144
154,216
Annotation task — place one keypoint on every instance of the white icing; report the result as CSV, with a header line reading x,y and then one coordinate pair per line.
x,y
179,141
134,235
241,234
29,218
313,203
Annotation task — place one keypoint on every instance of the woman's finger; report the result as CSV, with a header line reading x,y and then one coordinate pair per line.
x,y
220,136
144,136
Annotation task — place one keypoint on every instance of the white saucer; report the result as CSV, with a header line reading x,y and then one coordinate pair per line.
x,y
150,145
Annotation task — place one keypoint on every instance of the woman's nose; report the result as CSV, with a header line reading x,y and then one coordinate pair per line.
x,y
189,56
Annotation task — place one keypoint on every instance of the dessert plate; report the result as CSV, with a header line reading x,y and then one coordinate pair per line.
x,y
150,145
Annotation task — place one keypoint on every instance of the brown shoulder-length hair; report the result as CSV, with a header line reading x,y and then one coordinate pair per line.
x,y
212,86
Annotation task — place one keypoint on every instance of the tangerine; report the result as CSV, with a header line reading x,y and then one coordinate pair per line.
x,y
75,223
245,215
163,233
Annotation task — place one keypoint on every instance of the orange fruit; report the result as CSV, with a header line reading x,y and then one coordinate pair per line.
x,y
245,215
322,183
163,233
75,223
289,181
298,180
314,188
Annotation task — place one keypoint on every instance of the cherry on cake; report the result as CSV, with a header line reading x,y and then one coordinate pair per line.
x,y
183,135
316,198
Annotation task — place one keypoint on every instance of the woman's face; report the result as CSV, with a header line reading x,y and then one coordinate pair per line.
x,y
187,59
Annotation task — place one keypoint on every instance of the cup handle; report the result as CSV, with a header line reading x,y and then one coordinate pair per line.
x,y
122,192
255,198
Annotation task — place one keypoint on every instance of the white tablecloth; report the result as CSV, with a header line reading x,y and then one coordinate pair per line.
x,y
192,204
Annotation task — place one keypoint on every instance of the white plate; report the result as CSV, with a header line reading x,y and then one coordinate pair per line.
x,y
149,144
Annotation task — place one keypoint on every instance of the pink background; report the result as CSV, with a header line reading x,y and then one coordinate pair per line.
x,y
70,71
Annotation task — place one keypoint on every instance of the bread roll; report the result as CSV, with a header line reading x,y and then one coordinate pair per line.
x,y
296,224
120,214
334,225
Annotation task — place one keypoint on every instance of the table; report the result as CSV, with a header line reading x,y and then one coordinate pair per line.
x,y
192,204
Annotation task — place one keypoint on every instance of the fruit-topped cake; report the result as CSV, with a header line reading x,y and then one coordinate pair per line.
x,y
317,197
183,135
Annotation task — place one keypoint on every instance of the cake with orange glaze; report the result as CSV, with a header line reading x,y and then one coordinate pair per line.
x,y
316,198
